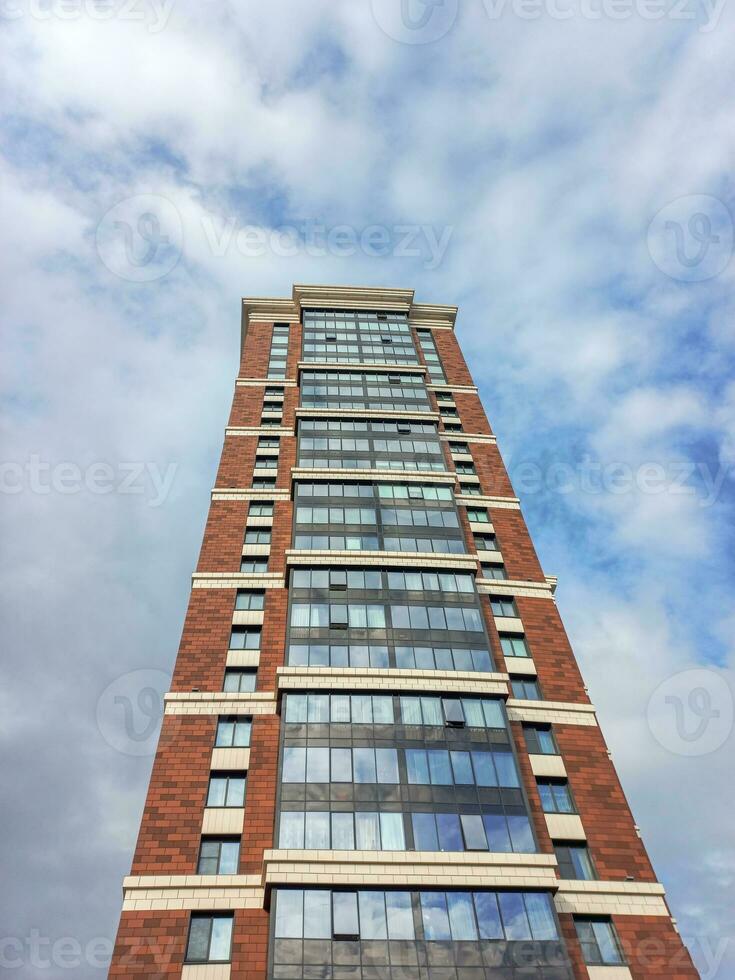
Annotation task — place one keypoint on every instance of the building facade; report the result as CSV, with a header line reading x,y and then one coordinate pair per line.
x,y
378,759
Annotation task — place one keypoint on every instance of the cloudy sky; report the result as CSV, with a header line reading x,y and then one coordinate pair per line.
x,y
560,169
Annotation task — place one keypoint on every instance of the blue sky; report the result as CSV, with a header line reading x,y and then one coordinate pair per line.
x,y
565,180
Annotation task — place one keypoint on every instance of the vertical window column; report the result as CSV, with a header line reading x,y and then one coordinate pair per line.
x,y
431,356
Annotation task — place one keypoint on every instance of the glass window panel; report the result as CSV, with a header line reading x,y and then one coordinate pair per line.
x,y
295,707
359,655
540,916
605,937
317,918
289,914
481,661
344,914
434,916
343,832
341,766
462,659
411,711
316,833
493,714
484,770
378,658
362,709
367,831
229,857
424,658
521,834
340,708
392,837
419,618
221,941
291,829
424,832
364,765
399,915
506,769
417,767
387,765
474,832
496,829
488,916
217,791
441,773
300,615
443,658
431,711
198,946
437,619
372,915
317,765
461,916
449,833
513,914
383,709
462,768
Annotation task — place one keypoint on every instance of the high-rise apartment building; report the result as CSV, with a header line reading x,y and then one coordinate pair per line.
x,y
378,759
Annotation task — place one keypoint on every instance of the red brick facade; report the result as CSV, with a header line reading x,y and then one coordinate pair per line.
x,y
152,943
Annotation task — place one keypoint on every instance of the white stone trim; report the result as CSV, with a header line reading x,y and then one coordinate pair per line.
x,y
215,896
414,869
390,679
509,624
250,493
230,758
514,587
466,437
609,973
481,527
223,820
238,580
256,550
220,702
471,389
358,413
248,617
564,826
552,712
248,430
206,971
374,476
521,665
258,382
611,898
466,563
345,366
252,522
242,658
500,503
547,765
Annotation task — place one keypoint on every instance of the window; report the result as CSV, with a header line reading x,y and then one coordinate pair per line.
x,y
260,509
256,566
525,689
269,390
466,469
226,790
263,482
485,542
344,915
493,571
514,645
555,796
453,713
245,638
219,856
233,732
254,536
497,832
269,442
540,740
574,862
210,937
266,462
240,681
599,941
503,606
363,830
249,600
